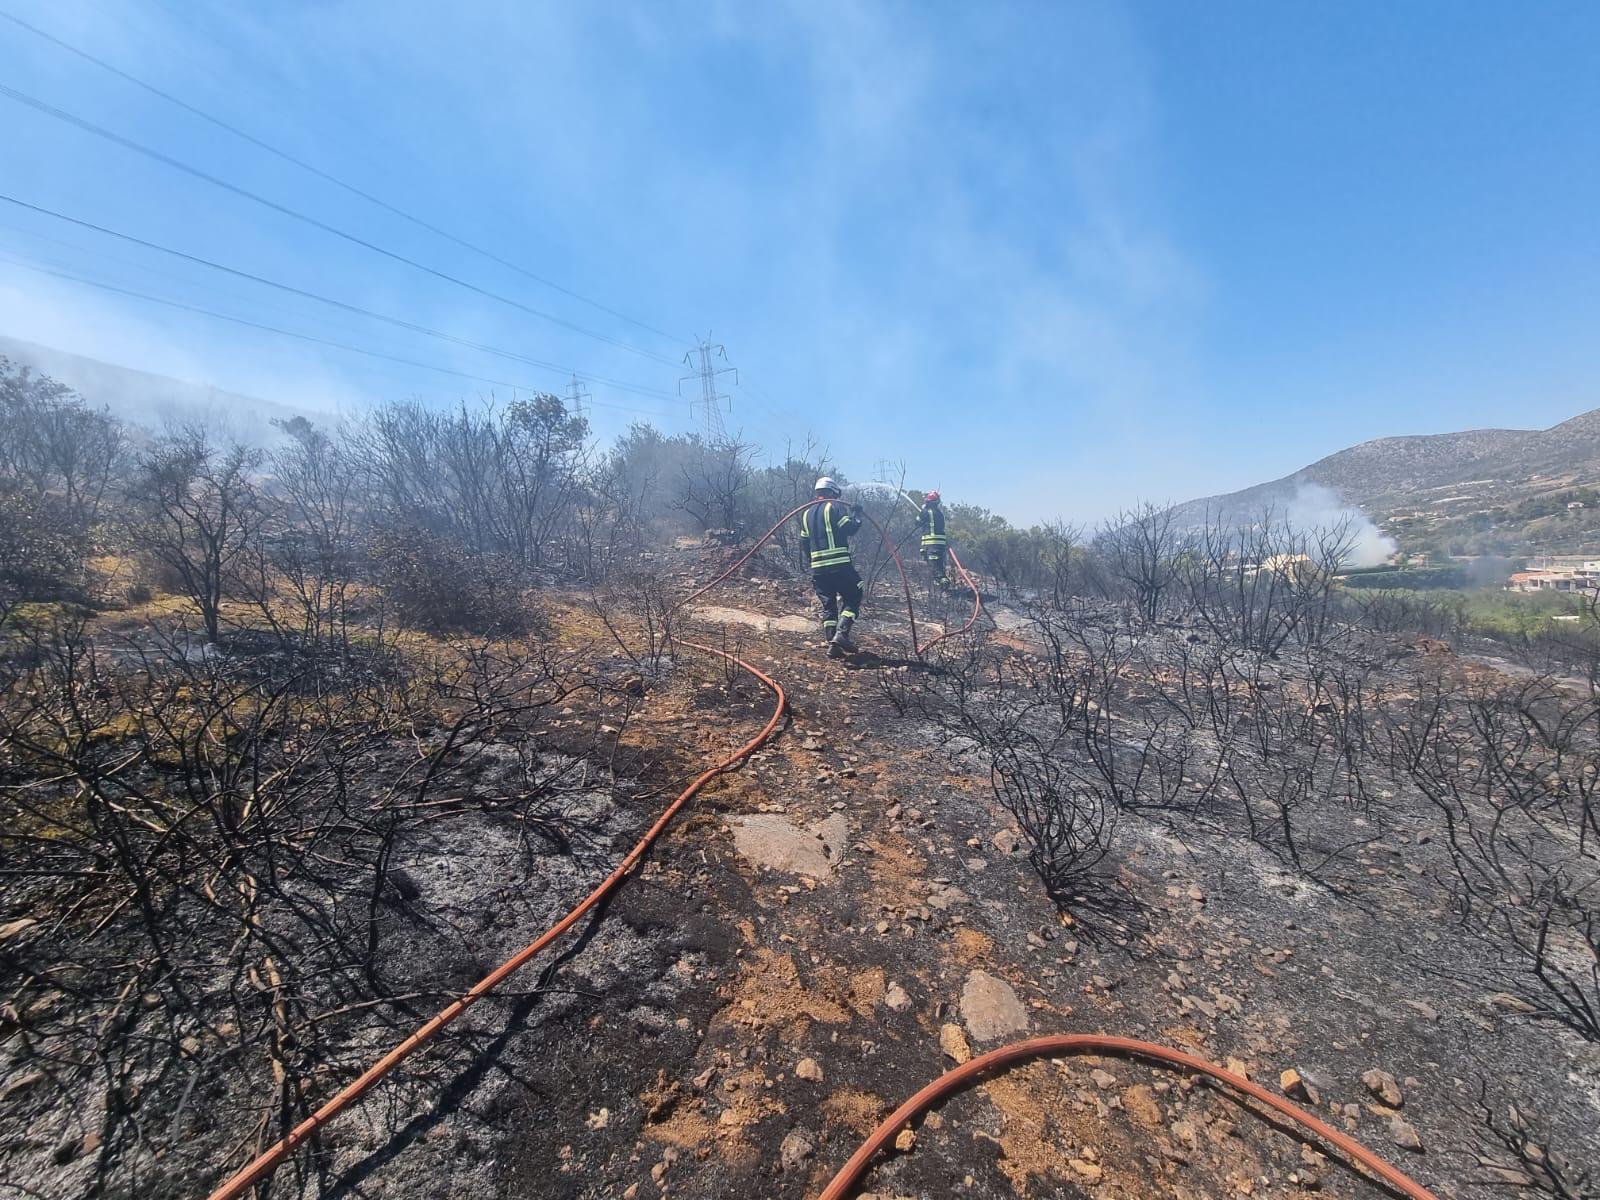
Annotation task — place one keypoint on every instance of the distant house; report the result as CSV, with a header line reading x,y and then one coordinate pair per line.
x,y
1551,581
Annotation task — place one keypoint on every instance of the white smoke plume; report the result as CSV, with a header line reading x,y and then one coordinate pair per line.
x,y
1317,507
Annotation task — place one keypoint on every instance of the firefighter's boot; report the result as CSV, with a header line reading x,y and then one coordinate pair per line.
x,y
841,644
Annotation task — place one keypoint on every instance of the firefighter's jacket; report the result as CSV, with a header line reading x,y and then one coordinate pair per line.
x,y
825,531
931,521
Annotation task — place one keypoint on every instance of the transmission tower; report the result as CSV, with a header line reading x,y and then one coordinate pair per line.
x,y
707,406
578,398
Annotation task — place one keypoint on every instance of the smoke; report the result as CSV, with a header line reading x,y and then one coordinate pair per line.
x,y
1317,507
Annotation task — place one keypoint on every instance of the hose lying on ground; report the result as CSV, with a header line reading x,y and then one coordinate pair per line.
x,y
268,1161
1094,1043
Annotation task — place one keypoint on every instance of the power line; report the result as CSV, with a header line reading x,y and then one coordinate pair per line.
x,y
128,143
324,175
290,333
621,385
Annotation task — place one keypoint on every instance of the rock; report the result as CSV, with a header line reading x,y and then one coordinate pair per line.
x,y
795,1148
1506,1002
1426,1011
990,1007
809,1070
599,1118
631,1192
943,897
896,998
835,835
954,1043
1382,1085
19,1083
1404,1134
1090,1171
1237,1067
1297,1086
779,844
1103,1079
1005,842
904,1140
11,928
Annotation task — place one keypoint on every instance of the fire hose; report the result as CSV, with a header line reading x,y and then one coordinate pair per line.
x,y
1095,1043
262,1167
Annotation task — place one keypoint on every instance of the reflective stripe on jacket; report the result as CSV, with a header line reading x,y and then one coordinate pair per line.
x,y
825,530
931,521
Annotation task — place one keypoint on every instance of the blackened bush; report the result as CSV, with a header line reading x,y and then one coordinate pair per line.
x,y
430,582
42,547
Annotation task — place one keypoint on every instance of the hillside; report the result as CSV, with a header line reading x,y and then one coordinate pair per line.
x,y
150,400
1477,491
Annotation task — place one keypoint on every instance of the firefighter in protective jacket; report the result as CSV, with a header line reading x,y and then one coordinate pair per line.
x,y
934,542
825,531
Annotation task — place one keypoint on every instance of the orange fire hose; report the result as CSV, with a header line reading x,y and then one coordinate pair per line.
x,y
268,1160
1094,1043
850,1174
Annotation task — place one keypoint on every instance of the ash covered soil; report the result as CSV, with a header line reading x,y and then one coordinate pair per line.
x,y
838,922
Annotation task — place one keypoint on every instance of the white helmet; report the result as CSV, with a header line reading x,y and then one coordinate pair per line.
x,y
827,487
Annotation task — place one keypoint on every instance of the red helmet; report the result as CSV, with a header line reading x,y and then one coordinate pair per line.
x,y
931,498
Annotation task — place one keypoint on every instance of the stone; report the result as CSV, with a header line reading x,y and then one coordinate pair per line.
x,y
1090,1171
1506,1002
1404,1134
896,999
990,1007
904,1140
775,842
795,1148
1103,1079
954,1043
1426,1011
835,835
19,1083
809,1070
599,1118
1382,1085
1005,842
1296,1085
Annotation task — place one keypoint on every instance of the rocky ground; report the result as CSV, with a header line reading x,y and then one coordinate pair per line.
x,y
850,915
836,924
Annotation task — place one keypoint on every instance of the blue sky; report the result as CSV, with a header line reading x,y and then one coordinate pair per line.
x,y
1054,256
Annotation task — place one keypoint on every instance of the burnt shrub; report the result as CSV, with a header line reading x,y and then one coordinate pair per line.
x,y
42,547
431,582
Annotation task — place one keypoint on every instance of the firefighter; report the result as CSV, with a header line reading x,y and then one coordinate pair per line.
x,y
931,521
825,531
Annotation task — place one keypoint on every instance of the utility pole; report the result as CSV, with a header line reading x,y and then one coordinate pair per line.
x,y
578,398
707,407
